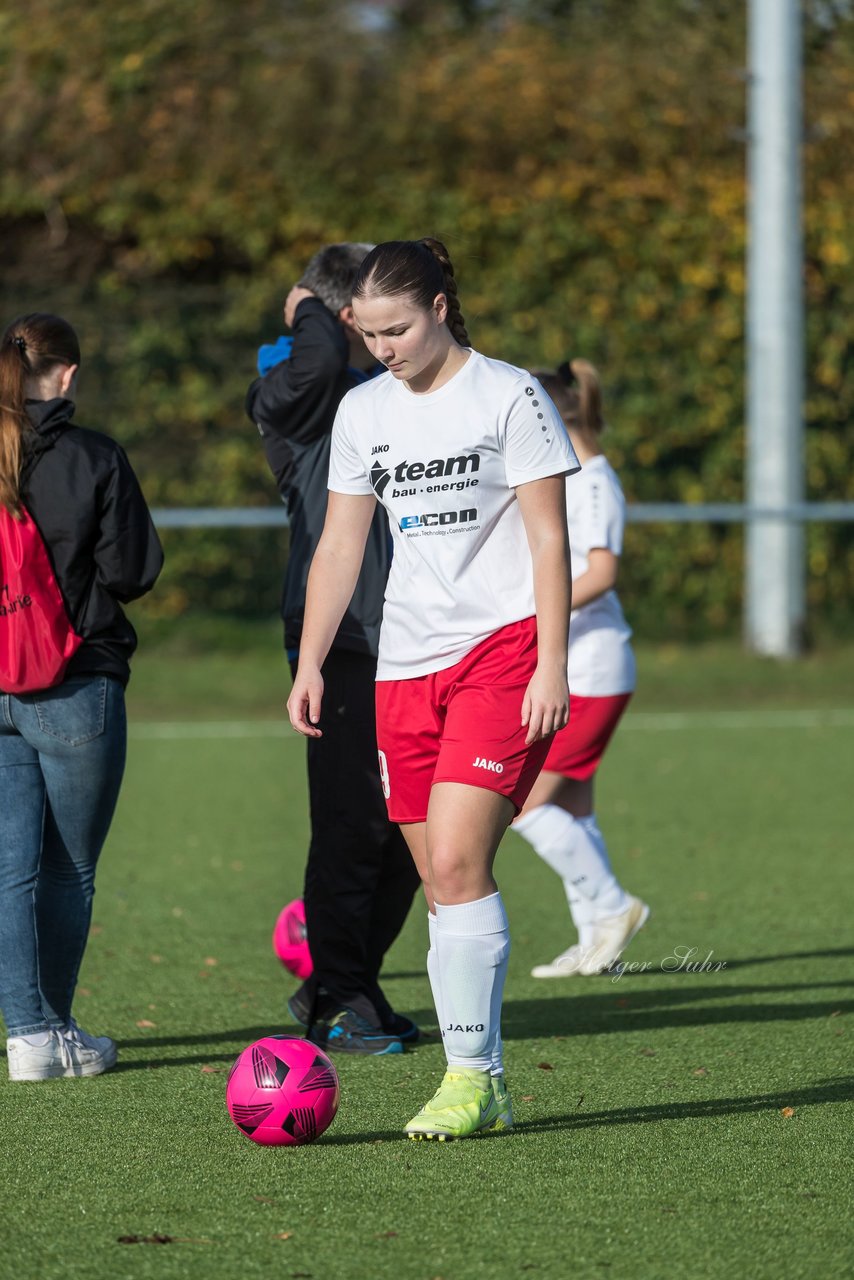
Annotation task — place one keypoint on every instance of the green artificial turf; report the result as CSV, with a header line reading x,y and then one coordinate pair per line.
x,y
670,1122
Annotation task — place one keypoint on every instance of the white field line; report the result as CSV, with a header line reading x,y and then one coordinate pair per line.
x,y
820,718
643,721
182,730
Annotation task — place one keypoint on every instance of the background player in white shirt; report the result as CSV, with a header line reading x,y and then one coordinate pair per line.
x,y
559,818
468,456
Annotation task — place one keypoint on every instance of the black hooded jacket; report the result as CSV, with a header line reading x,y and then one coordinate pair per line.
x,y
294,407
81,491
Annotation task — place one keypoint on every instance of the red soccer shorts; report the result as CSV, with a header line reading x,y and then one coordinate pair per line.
x,y
462,724
577,750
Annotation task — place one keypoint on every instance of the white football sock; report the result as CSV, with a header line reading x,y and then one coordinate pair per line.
x,y
497,1068
583,914
576,850
433,967
473,947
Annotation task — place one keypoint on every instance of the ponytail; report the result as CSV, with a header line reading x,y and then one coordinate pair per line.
x,y
31,346
577,392
13,420
417,269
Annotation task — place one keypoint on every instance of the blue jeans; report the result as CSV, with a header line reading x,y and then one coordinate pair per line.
x,y
62,757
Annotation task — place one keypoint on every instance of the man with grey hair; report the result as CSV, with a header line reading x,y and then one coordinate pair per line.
x,y
359,878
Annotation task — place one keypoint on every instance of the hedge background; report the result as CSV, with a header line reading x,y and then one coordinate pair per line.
x,y
169,167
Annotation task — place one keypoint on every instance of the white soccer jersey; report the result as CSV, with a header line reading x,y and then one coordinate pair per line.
x,y
445,466
601,661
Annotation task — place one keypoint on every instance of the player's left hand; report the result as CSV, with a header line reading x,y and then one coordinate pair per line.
x,y
293,300
545,706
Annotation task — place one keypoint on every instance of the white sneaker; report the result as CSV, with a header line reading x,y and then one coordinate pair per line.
x,y
84,1042
58,1054
611,936
566,965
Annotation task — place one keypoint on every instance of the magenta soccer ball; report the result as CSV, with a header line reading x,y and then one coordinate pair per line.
x,y
282,1092
289,939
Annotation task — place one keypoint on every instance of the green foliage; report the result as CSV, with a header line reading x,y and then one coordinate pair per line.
x,y
171,167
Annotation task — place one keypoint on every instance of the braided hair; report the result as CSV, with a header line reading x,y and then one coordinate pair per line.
x,y
417,269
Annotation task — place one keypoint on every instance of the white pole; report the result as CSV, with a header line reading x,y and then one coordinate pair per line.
x,y
774,586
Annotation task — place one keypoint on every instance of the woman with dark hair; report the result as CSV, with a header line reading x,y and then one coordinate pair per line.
x,y
76,542
468,455
559,818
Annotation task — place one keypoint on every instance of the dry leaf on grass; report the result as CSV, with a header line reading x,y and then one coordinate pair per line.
x,y
545,1066
156,1239
145,1023
787,1112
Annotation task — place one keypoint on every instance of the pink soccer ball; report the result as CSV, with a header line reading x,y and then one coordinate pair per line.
x,y
282,1092
290,942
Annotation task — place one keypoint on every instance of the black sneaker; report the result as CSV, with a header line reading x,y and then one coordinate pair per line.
x,y
348,1032
299,1007
402,1027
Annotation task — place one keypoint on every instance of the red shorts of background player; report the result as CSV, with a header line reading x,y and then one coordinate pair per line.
x,y
462,724
576,750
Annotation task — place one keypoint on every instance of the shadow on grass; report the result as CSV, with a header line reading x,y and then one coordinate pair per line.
x,y
834,953
237,1039
747,962
837,1089
582,1007
621,1006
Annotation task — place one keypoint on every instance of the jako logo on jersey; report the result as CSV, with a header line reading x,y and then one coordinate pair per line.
x,y
493,766
470,1026
379,448
438,517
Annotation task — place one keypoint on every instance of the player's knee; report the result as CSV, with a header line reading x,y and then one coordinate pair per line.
x,y
454,876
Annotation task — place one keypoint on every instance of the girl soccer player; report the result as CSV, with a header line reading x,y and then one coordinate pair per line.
x,y
467,455
558,817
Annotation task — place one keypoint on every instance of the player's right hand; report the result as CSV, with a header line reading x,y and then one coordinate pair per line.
x,y
304,703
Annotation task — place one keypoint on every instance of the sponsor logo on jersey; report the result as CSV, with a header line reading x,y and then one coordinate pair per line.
x,y
469,1026
406,472
492,766
379,478
439,518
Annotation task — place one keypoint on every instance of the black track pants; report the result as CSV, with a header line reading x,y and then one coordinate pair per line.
x,y
360,877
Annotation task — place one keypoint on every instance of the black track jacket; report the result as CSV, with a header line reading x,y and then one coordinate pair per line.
x,y
294,408
80,490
